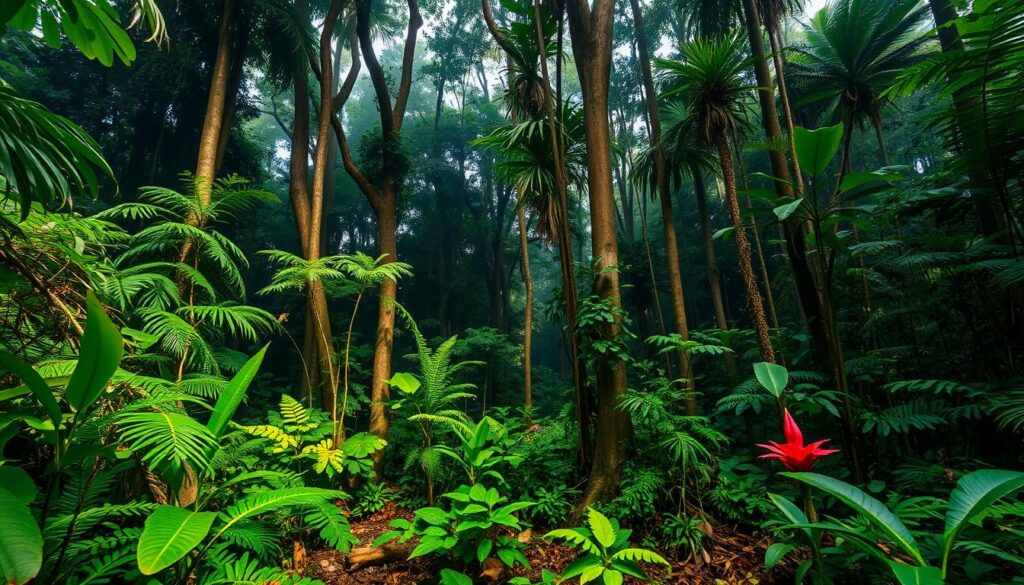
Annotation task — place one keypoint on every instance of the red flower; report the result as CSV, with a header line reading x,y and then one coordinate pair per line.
x,y
793,453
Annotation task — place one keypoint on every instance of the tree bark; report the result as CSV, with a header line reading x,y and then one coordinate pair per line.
x,y
803,278
206,165
590,32
524,249
667,221
754,301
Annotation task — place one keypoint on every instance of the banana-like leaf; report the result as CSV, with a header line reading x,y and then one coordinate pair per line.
x,y
869,508
233,394
815,149
973,494
21,543
169,534
98,360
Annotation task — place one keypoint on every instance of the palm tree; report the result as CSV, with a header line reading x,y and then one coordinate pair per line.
x,y
853,52
711,75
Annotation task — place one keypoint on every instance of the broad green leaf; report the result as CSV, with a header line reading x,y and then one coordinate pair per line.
x,y
450,577
815,149
723,233
612,577
854,180
869,508
792,513
21,544
783,212
773,377
35,383
98,359
406,383
233,394
974,493
169,534
911,575
600,527
775,553
17,481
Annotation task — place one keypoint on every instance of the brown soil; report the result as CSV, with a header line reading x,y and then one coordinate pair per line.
x,y
730,558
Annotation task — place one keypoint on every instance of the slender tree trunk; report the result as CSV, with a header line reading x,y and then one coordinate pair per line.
x,y
314,241
241,42
803,278
665,196
754,302
387,226
206,166
591,34
787,111
524,250
882,150
565,243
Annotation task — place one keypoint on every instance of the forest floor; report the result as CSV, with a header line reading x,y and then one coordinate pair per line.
x,y
729,558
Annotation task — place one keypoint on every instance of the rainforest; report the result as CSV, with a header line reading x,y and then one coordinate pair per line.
x,y
524,292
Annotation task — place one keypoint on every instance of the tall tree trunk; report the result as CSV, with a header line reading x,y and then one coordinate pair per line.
x,y
241,42
314,241
668,225
803,278
382,194
316,365
591,34
787,111
754,302
524,250
880,137
206,166
564,238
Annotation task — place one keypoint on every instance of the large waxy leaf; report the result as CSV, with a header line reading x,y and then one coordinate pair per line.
x,y
815,149
910,575
98,360
600,527
17,481
233,394
169,534
773,377
869,508
973,493
21,544
406,383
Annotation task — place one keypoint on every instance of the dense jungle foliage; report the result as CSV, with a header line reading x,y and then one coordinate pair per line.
x,y
462,292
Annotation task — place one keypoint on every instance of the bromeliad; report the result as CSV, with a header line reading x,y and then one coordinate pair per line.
x,y
793,453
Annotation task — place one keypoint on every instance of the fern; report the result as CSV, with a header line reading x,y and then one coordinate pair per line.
x,y
161,438
272,501
332,524
918,415
243,571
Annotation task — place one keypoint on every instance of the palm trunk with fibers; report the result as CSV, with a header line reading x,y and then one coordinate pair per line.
x,y
565,240
524,249
759,250
754,302
590,31
667,221
714,279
